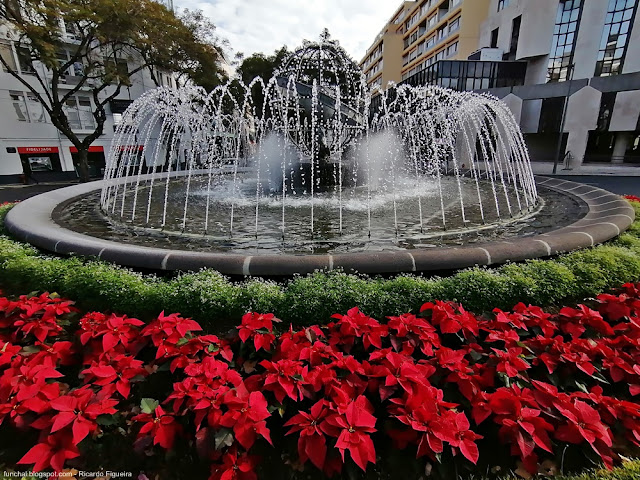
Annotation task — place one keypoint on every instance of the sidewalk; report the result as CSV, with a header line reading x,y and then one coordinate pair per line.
x,y
599,169
15,192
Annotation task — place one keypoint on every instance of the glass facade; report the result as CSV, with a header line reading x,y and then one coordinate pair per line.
x,y
615,37
564,40
470,75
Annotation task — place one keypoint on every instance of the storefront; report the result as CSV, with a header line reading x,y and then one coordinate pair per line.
x,y
40,163
95,159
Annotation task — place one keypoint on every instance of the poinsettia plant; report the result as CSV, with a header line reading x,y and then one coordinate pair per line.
x,y
439,389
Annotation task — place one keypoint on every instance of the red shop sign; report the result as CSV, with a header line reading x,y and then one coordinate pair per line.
x,y
37,150
92,149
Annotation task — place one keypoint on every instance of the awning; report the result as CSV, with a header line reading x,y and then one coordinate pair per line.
x,y
36,150
92,149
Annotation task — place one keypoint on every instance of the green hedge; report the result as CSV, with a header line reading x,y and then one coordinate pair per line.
x,y
217,302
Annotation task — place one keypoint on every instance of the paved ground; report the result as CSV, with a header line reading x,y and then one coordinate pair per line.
x,y
619,185
13,193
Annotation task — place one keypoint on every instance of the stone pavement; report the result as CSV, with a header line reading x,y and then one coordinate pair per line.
x,y
604,169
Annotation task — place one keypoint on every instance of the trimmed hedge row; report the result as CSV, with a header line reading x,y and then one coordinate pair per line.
x,y
214,301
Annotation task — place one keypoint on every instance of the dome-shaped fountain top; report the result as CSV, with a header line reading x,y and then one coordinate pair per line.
x,y
326,63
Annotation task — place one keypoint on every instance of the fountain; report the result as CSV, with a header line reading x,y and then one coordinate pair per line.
x,y
312,170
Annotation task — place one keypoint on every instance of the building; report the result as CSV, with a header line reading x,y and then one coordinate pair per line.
x,y
583,76
419,34
29,143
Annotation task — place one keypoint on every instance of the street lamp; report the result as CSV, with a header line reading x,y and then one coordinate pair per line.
x,y
564,118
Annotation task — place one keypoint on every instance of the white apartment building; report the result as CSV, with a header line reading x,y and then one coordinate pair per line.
x,y
29,141
585,50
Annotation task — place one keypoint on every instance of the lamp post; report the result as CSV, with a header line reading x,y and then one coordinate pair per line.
x,y
564,118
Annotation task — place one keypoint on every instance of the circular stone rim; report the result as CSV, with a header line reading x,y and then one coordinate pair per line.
x,y
607,217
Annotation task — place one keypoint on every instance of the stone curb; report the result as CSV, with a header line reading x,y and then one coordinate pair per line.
x,y
608,216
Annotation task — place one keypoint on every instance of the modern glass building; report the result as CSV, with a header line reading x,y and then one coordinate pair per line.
x,y
583,60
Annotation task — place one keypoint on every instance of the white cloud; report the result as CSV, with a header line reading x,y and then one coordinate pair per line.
x,y
265,25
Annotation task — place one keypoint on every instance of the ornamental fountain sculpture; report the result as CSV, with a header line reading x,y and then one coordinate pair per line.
x,y
316,160
313,170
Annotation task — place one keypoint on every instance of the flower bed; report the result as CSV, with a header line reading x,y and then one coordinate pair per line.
x,y
434,393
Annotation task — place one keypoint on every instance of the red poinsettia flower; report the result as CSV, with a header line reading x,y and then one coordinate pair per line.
x,y
463,438
80,408
285,378
452,318
52,451
160,425
511,361
121,370
246,416
235,467
260,328
356,424
312,444
356,324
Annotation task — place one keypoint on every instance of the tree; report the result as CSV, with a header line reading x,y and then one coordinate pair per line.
x,y
258,65
104,43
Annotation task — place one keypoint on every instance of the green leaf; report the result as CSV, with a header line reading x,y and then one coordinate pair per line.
x,y
148,405
29,349
182,341
223,438
212,348
582,386
598,376
476,356
108,420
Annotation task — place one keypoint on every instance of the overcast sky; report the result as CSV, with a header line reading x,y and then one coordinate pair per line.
x,y
265,25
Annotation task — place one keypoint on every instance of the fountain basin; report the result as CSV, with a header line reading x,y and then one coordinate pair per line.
x,y
605,216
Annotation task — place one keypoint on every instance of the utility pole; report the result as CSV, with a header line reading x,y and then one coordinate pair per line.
x,y
564,118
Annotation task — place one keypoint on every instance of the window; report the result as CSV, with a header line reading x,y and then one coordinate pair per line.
x,y
452,49
454,25
564,38
494,38
24,59
515,38
20,106
502,4
79,112
6,53
37,113
71,30
615,37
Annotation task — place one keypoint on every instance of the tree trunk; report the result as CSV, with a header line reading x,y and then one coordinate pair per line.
x,y
83,164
